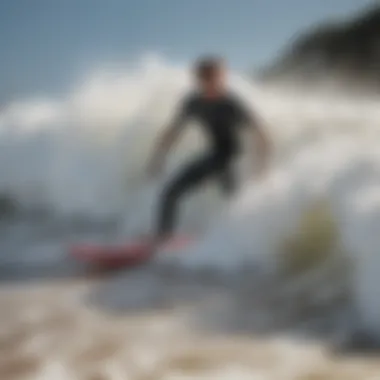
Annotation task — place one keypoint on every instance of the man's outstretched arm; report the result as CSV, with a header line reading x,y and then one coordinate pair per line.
x,y
261,148
262,145
164,144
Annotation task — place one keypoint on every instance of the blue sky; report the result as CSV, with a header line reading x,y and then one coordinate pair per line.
x,y
47,44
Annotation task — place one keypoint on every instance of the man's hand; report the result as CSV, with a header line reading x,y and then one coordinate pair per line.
x,y
261,167
263,150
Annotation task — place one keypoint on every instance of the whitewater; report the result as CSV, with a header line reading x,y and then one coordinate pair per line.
x,y
284,270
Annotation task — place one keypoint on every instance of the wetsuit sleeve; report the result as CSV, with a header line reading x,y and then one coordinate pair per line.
x,y
183,112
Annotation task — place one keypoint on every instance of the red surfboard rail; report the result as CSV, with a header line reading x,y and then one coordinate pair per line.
x,y
123,255
112,256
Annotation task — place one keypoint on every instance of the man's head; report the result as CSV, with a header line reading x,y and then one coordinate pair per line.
x,y
210,75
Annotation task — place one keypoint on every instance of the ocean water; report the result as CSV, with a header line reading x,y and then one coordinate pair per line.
x,y
303,237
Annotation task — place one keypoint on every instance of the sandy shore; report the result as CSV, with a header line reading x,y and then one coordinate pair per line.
x,y
50,332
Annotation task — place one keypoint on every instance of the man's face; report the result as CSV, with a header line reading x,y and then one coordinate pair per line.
x,y
216,82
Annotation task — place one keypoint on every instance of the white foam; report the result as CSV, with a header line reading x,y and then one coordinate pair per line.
x,y
86,154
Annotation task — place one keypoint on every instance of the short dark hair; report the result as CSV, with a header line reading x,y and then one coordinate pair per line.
x,y
206,67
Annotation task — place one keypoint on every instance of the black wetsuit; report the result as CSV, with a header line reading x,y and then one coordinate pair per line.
x,y
220,119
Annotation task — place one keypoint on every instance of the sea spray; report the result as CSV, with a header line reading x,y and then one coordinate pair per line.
x,y
85,154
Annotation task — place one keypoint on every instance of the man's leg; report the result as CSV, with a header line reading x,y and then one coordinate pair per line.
x,y
228,180
192,176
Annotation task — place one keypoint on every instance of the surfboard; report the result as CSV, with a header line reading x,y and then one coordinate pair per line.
x,y
124,255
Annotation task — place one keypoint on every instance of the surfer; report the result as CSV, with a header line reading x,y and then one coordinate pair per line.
x,y
220,114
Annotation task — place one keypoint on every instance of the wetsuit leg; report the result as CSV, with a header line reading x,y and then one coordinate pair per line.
x,y
192,176
228,181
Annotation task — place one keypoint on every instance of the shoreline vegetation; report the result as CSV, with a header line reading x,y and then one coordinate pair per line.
x,y
343,54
